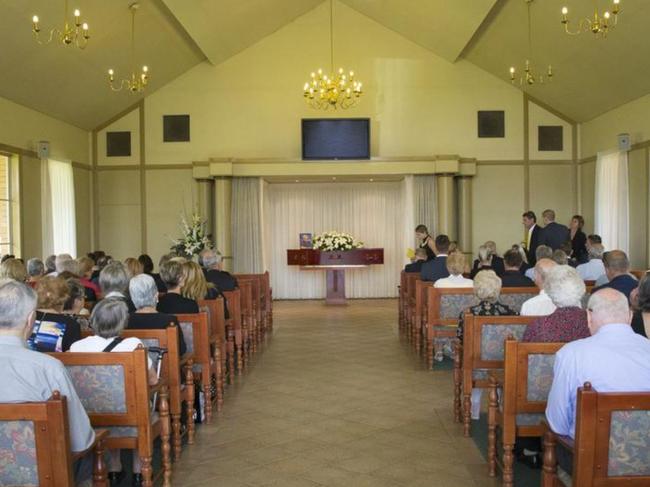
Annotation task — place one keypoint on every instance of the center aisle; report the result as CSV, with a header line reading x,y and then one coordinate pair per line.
x,y
335,400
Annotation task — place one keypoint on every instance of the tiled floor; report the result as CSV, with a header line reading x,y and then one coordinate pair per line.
x,y
335,399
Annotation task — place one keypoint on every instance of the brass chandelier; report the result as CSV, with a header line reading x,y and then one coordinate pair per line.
x,y
530,75
74,32
137,82
336,90
599,25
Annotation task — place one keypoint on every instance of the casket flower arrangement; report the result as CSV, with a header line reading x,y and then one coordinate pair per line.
x,y
336,242
195,237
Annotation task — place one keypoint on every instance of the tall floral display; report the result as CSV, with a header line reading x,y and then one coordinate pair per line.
x,y
194,239
336,242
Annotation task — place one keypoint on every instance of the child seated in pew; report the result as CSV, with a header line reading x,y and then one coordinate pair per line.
x,y
108,319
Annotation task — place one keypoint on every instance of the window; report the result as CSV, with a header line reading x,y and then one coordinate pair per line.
x,y
9,216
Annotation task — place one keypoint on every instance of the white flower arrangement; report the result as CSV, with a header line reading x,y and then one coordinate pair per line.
x,y
194,238
336,242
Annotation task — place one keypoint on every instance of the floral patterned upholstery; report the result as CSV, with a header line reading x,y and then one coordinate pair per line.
x,y
529,419
18,462
127,431
629,444
516,300
480,374
540,376
452,305
493,339
100,387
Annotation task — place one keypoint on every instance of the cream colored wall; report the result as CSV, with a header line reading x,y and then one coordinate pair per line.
x,y
600,133
131,123
539,116
638,185
30,186
587,194
83,208
251,105
551,187
23,128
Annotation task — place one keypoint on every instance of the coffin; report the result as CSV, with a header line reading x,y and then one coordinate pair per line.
x,y
348,258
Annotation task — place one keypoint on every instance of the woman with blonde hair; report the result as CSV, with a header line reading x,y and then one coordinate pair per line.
x,y
196,286
133,266
13,269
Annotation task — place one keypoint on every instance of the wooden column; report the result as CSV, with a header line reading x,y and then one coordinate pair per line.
x,y
465,213
446,195
222,219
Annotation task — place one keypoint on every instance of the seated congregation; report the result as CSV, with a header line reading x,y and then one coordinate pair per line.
x,y
556,330
175,338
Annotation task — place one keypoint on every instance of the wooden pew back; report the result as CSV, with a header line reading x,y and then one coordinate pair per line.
x,y
217,320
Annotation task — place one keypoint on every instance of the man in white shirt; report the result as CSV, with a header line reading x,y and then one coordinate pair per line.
x,y
540,305
594,269
612,359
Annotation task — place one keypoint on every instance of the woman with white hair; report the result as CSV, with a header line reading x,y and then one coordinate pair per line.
x,y
144,293
487,287
484,261
114,283
568,322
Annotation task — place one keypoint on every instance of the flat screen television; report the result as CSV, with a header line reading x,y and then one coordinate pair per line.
x,y
335,138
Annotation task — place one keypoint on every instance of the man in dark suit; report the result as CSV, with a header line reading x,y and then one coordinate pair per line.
x,y
221,279
420,259
435,269
512,277
533,236
554,234
617,267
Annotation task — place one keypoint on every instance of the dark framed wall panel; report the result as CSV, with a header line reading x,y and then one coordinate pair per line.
x,y
118,144
176,128
491,124
550,138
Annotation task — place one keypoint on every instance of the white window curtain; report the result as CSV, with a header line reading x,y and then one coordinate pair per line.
x,y
372,212
424,201
612,212
59,232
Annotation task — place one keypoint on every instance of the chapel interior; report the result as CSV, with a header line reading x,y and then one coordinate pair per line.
x,y
269,130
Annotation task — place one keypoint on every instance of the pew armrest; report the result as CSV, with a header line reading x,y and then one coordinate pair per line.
x,y
185,359
100,434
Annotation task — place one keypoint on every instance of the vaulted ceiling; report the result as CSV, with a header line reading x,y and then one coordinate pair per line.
x,y
592,75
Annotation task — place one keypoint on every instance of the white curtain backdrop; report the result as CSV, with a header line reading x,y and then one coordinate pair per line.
x,y
58,189
372,212
424,202
247,221
612,212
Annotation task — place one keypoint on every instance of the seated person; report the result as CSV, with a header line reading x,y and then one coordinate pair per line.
x,y
133,266
13,269
612,359
196,286
173,302
147,268
114,283
35,270
569,321
484,261
435,269
487,286
144,292
86,266
617,268
542,252
560,257
513,277
74,305
540,305
50,265
108,319
53,330
29,376
456,263
641,307
594,269
416,264
497,262
213,262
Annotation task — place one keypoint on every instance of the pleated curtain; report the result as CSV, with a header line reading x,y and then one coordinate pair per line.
x,y
379,214
247,234
58,208
612,205
424,202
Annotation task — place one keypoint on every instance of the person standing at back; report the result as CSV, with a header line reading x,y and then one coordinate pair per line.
x,y
554,234
426,241
435,269
533,235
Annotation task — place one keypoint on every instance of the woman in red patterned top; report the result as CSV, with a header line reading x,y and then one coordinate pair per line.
x,y
569,321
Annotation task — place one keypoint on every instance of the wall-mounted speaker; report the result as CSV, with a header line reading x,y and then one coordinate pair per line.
x,y
624,142
43,149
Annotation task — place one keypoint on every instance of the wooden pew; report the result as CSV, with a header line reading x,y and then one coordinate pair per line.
x,y
234,335
482,350
181,387
401,302
36,435
197,334
444,306
246,303
526,381
216,317
114,389
611,446
411,279
256,328
420,313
